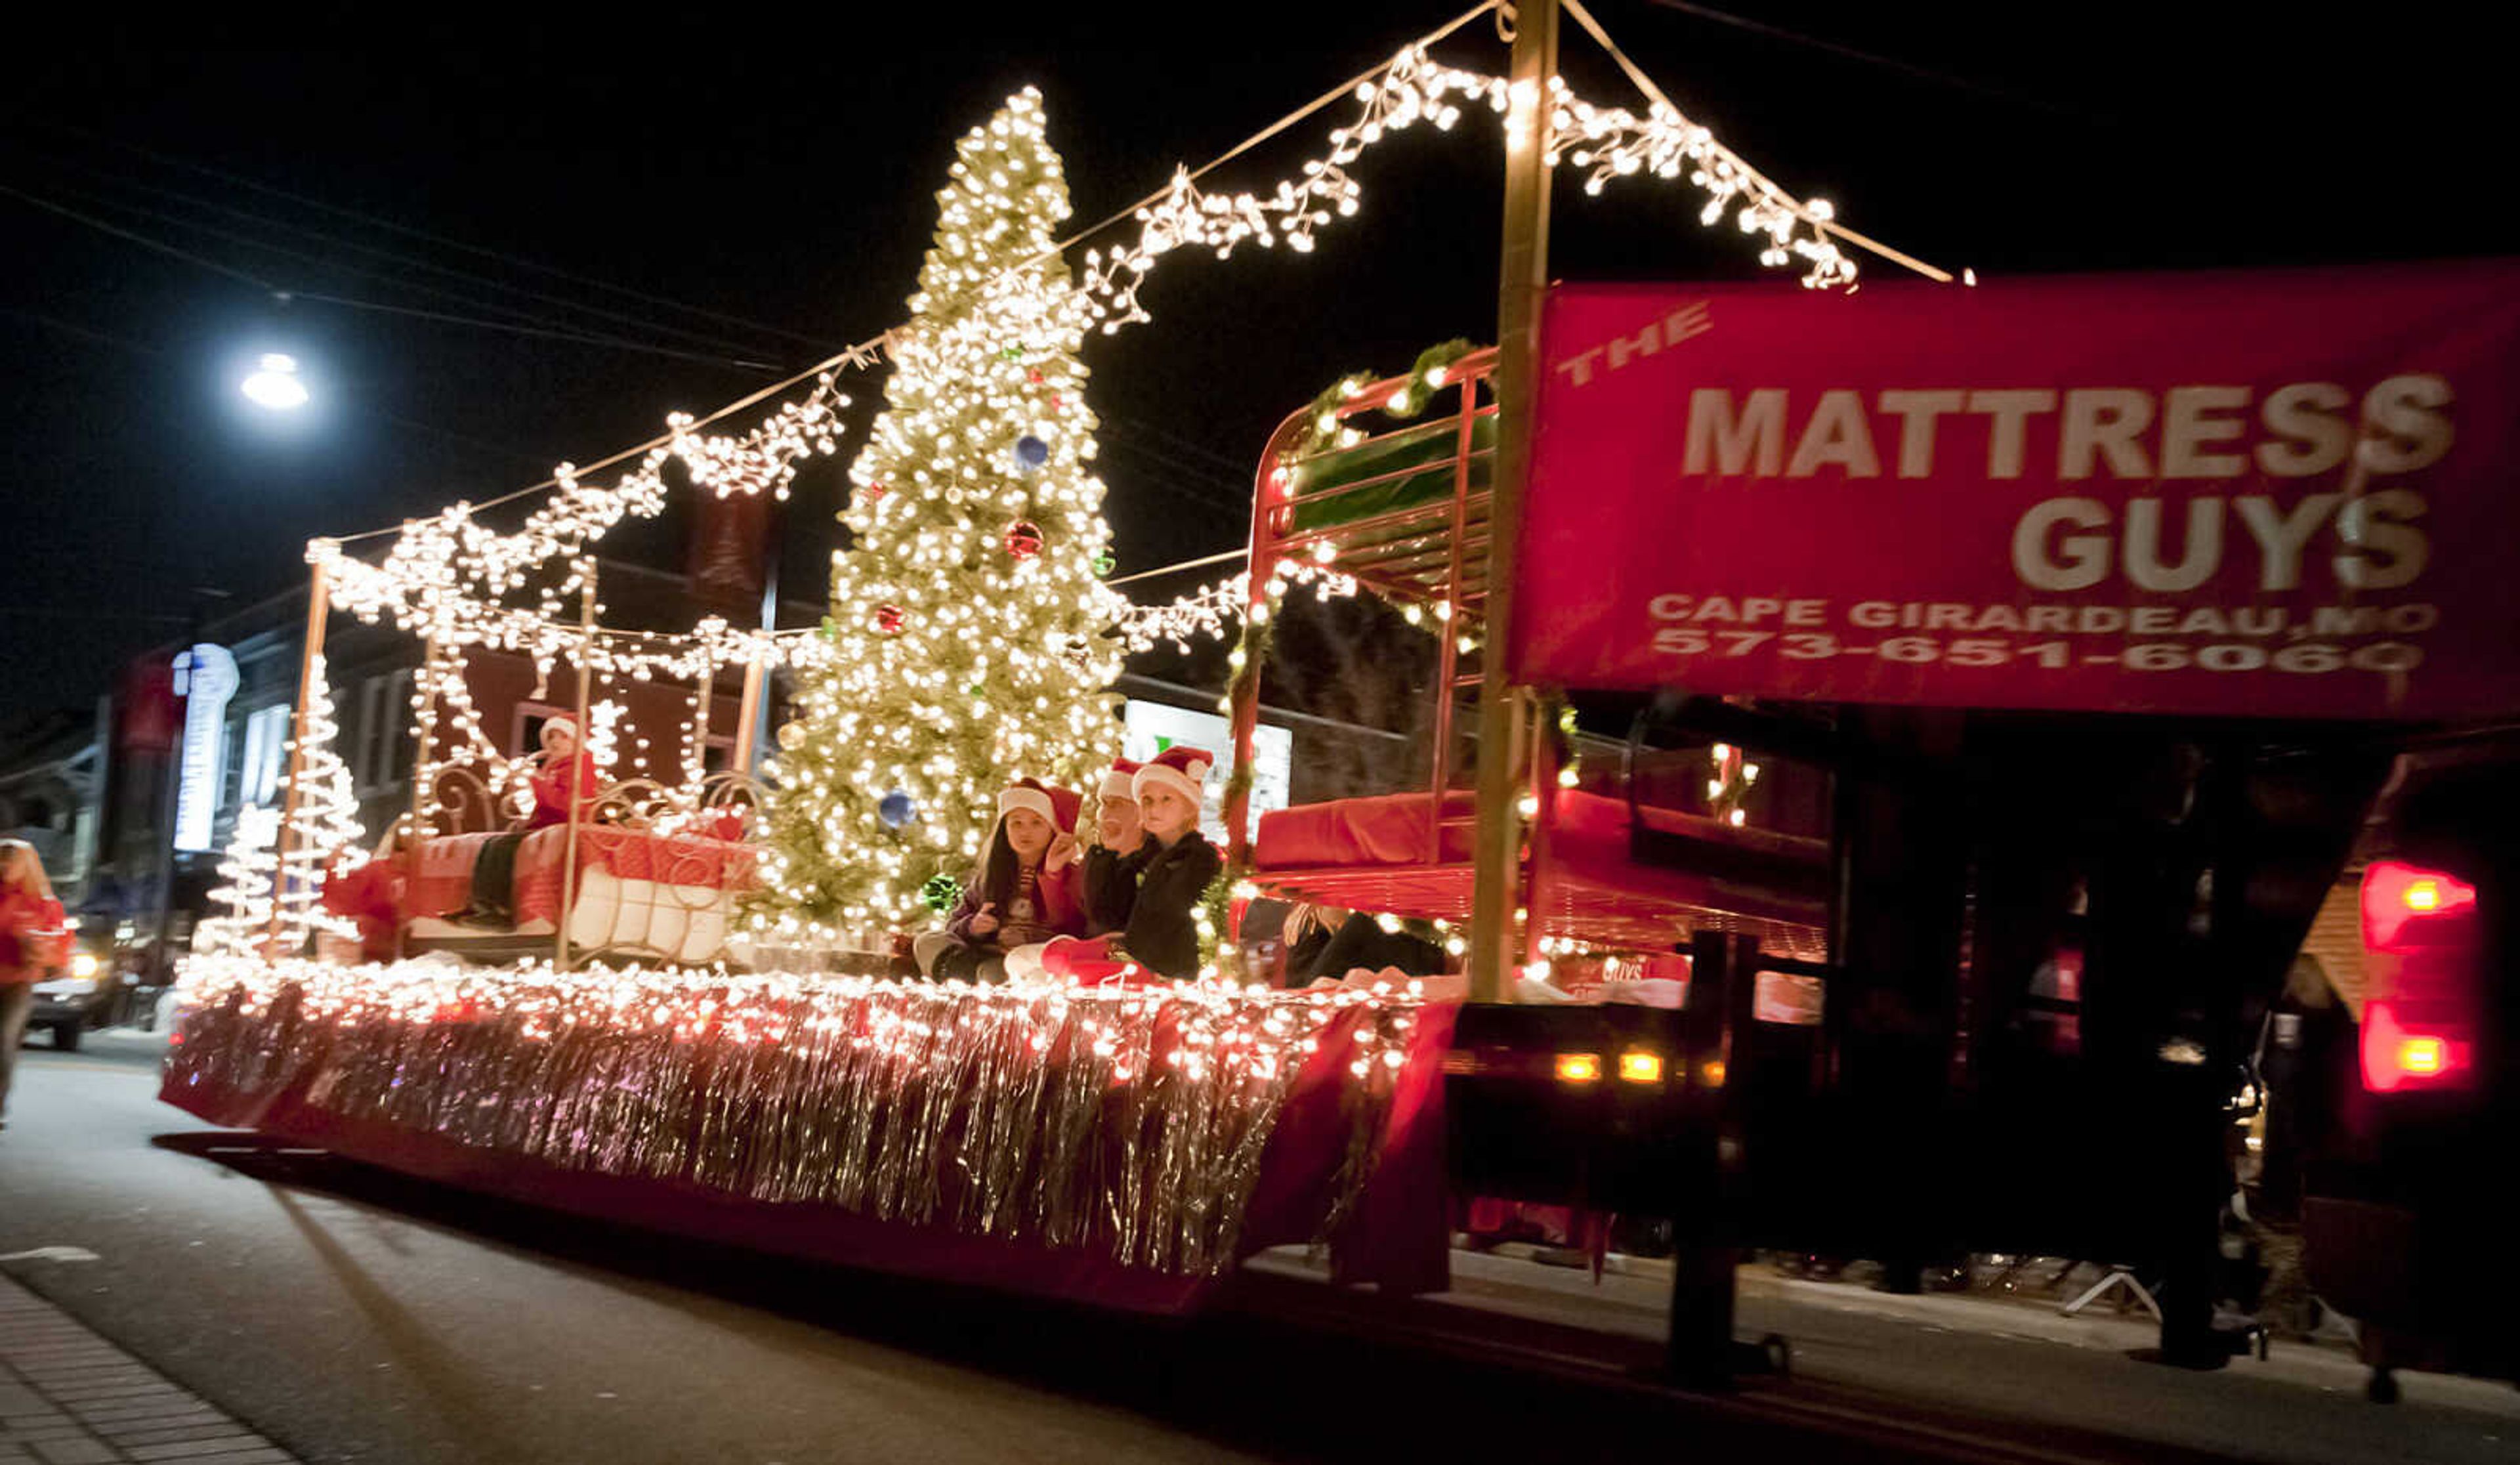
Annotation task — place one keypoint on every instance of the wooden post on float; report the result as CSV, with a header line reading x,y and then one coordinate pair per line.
x,y
700,723
431,661
747,716
1497,840
424,717
319,591
571,789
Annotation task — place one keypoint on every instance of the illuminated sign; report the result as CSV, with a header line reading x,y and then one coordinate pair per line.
x,y
1149,728
205,677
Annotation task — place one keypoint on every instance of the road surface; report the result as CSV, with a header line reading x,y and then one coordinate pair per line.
x,y
349,1315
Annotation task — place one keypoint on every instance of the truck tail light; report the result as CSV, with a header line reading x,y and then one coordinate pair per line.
x,y
2422,970
2400,1055
2407,905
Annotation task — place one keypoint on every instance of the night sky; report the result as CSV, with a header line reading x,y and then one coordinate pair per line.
x,y
763,192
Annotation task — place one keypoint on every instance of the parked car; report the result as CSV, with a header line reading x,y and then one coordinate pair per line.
x,y
70,1004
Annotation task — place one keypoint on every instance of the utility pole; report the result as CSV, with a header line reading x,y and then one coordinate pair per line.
x,y
1497,840
170,796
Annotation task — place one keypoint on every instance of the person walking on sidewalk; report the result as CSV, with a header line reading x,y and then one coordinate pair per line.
x,y
32,942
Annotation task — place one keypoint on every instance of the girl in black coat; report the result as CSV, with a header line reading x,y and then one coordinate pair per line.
x,y
1163,933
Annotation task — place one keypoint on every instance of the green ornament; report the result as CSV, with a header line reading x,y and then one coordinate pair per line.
x,y
829,630
940,893
1012,353
1104,564
976,690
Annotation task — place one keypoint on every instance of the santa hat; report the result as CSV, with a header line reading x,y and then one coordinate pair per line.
x,y
1056,805
565,725
1115,779
1178,768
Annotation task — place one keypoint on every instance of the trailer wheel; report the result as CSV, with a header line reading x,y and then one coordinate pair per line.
x,y
66,1035
1779,1353
2381,1388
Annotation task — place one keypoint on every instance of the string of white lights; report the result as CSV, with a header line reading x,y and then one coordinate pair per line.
x,y
453,555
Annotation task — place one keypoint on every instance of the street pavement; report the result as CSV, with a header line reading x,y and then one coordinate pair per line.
x,y
350,1315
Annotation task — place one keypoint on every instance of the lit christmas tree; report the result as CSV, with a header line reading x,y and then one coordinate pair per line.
x,y
965,646
323,823
244,896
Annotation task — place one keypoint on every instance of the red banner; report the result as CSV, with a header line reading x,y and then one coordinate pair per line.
x,y
729,556
151,715
2284,493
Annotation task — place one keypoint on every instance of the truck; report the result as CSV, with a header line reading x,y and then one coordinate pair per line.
x,y
2111,629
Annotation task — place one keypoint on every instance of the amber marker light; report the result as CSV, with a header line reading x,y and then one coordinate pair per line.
x,y
1579,1068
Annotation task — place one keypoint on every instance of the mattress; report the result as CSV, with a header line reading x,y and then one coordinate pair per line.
x,y
1587,878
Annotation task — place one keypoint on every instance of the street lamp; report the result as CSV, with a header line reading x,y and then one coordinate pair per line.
x,y
275,385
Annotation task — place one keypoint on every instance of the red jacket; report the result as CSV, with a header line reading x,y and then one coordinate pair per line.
x,y
32,935
552,792
372,896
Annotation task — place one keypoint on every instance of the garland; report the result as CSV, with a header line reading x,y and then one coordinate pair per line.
x,y
1323,429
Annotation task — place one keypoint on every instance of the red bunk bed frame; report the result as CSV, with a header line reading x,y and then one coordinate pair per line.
x,y
1409,855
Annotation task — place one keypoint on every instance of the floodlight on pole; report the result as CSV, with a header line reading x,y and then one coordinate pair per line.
x,y
275,384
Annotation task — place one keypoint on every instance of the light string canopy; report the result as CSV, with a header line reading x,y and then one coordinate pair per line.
x,y
453,556
1214,610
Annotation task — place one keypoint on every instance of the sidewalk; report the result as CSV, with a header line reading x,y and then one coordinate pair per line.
x,y
1991,1357
69,1397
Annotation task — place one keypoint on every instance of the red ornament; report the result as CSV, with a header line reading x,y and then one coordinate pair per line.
x,y
890,618
1034,377
1023,540
875,494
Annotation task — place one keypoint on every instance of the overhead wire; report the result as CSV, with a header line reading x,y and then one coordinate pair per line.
x,y
718,342
543,332
1869,58
532,325
381,222
1236,465
1215,489
145,243
143,348
1637,77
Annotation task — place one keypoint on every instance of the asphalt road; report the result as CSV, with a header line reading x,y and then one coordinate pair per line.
x,y
354,1316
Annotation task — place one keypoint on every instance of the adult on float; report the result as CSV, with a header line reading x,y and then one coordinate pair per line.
x,y
1119,853
34,938
1162,934
1030,887
564,776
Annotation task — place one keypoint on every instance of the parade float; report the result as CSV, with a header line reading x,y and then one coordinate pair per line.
x,y
692,1023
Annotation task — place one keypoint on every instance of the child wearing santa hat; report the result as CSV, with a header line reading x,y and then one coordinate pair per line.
x,y
1178,865
1027,889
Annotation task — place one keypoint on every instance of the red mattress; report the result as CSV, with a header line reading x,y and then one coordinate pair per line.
x,y
1374,855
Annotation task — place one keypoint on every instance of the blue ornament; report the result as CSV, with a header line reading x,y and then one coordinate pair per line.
x,y
1031,453
896,809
